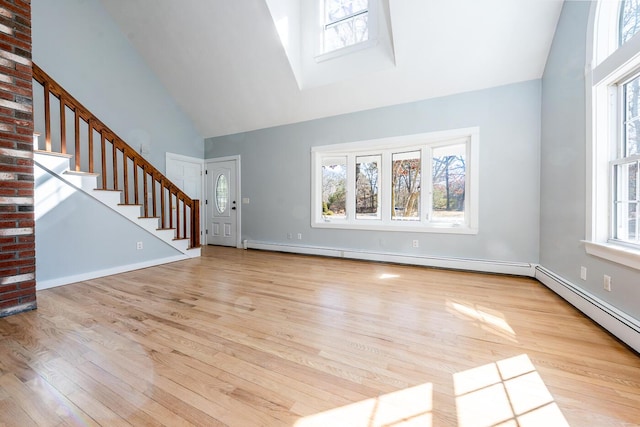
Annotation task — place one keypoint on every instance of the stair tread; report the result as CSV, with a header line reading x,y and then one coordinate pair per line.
x,y
53,153
148,217
129,204
106,189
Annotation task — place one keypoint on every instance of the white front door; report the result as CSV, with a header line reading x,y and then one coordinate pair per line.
x,y
222,203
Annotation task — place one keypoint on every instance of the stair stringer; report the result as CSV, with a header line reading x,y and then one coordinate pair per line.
x,y
58,165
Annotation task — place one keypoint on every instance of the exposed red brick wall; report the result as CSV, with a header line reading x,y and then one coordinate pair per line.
x,y
17,222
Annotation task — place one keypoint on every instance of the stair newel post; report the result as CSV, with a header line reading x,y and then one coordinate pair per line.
x,y
77,137
195,224
47,117
125,174
63,126
103,159
145,202
90,141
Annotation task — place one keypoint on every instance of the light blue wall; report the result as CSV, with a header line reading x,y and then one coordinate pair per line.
x,y
78,44
276,173
80,235
563,168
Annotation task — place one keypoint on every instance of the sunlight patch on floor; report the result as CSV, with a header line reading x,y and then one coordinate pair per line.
x,y
408,407
506,393
490,320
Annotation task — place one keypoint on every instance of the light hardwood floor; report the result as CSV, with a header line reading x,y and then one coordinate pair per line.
x,y
248,338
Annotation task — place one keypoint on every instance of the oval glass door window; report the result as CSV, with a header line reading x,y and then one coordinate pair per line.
x,y
222,193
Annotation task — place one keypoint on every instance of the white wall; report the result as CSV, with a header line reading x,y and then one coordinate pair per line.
x,y
78,44
78,238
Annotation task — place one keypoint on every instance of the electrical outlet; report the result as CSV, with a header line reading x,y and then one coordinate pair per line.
x,y
583,272
416,244
139,245
299,236
607,283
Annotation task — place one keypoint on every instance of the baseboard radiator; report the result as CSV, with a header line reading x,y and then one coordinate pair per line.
x,y
618,323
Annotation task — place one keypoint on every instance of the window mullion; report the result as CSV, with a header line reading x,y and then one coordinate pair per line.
x,y
350,205
426,188
385,187
328,25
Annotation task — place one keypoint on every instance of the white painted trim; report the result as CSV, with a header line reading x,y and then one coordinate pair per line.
x,y
620,324
615,253
485,266
60,281
235,158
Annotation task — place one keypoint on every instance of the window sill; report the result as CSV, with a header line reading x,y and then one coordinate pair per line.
x,y
345,50
400,227
614,253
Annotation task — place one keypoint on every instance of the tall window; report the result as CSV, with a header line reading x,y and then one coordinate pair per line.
x,y
345,23
614,232
624,166
424,182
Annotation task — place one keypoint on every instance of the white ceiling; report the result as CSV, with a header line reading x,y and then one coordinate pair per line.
x,y
223,63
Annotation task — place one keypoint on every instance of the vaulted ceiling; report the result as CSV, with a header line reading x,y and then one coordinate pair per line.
x,y
224,64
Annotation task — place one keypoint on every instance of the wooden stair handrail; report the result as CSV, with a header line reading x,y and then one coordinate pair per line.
x,y
190,225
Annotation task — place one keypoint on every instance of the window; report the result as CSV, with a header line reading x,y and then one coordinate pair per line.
x,y
345,23
426,182
624,167
613,232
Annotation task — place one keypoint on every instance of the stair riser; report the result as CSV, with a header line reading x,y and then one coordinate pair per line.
x,y
87,183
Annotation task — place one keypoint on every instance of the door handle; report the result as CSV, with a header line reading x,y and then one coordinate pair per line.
x,y
233,208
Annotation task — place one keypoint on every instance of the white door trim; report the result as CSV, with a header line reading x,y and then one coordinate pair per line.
x,y
171,157
237,195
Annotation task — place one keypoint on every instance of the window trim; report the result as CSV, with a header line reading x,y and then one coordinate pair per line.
x,y
396,144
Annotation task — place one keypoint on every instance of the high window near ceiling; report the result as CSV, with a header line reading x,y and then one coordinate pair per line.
x,y
425,183
614,229
331,41
345,23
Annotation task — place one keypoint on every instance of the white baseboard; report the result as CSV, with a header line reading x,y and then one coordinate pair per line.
x,y
485,266
51,283
620,324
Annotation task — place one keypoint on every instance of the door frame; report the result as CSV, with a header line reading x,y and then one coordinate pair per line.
x,y
170,158
236,159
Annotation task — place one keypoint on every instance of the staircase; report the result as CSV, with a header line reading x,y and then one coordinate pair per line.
x,y
58,165
90,157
